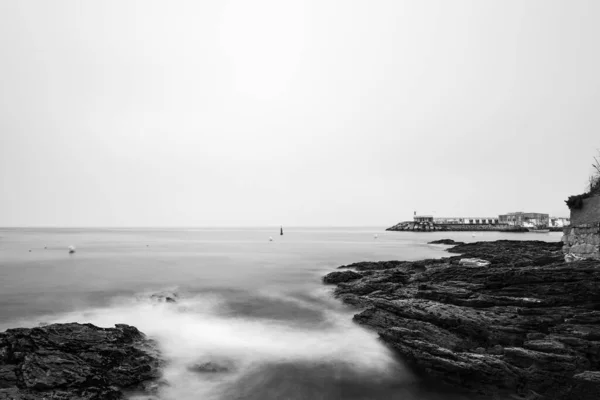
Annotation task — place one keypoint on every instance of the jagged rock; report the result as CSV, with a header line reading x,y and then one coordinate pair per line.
x,y
528,323
75,361
587,385
209,367
341,276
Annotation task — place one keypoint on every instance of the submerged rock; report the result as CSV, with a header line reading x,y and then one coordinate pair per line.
x,y
75,361
165,297
209,367
527,323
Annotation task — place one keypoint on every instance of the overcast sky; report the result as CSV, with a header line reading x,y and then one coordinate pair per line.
x,y
246,113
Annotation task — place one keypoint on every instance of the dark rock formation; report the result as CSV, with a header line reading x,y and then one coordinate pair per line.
x,y
446,241
75,361
209,367
528,324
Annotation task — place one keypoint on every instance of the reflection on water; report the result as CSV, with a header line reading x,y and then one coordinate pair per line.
x,y
254,311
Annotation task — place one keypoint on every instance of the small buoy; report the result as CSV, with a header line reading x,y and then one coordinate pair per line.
x,y
375,236
45,247
30,250
71,249
270,239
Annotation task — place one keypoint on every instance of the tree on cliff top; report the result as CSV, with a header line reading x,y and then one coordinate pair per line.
x,y
594,183
576,202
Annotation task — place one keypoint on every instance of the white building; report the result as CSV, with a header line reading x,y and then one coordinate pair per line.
x,y
559,222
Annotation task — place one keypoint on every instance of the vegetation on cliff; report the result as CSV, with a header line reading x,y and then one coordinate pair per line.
x,y
575,202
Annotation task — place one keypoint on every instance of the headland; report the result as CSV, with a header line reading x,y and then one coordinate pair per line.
x,y
527,325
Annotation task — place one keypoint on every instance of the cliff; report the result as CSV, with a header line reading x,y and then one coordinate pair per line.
x,y
528,324
582,239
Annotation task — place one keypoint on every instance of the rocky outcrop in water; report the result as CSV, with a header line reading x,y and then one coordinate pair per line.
x,y
76,361
528,324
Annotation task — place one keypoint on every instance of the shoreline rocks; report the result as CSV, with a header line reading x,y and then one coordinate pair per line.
x,y
527,324
76,361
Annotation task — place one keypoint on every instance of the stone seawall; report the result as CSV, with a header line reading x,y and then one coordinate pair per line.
x,y
469,227
589,213
432,227
581,242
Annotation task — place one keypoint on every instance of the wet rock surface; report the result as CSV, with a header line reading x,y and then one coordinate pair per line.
x,y
528,324
165,297
75,361
210,367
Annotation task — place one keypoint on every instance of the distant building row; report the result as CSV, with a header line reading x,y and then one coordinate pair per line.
x,y
527,220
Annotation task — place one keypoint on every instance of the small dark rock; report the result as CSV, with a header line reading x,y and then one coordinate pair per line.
x,y
446,241
165,297
208,367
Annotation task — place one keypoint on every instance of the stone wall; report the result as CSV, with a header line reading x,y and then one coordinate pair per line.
x,y
482,227
582,242
588,214
429,227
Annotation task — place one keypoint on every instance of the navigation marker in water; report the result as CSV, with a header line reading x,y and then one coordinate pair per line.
x,y
71,249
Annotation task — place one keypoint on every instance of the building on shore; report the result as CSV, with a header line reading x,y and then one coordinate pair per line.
x,y
526,220
559,222
423,218
466,220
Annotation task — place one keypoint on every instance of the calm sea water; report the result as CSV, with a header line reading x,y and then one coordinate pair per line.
x,y
254,306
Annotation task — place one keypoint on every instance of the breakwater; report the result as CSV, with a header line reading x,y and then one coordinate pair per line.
x,y
433,227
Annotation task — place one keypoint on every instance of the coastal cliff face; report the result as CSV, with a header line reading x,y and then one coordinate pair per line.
x,y
528,324
75,361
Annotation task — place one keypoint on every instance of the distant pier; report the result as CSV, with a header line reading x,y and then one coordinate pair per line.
x,y
433,227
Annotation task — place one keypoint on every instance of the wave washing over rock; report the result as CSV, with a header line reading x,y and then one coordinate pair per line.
x,y
527,325
202,347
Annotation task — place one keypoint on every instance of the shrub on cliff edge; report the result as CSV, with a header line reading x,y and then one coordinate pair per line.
x,y
576,202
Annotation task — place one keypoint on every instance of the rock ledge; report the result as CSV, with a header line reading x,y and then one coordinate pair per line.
x,y
75,361
527,325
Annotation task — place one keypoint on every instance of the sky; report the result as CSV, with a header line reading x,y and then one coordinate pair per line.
x,y
295,113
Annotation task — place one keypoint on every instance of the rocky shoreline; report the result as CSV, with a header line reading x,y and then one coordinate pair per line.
x,y
77,362
527,325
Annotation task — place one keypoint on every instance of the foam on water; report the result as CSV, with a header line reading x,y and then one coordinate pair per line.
x,y
199,328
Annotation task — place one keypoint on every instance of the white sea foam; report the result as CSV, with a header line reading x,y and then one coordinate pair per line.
x,y
200,329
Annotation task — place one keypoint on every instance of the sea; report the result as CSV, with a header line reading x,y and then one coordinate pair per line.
x,y
253,306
